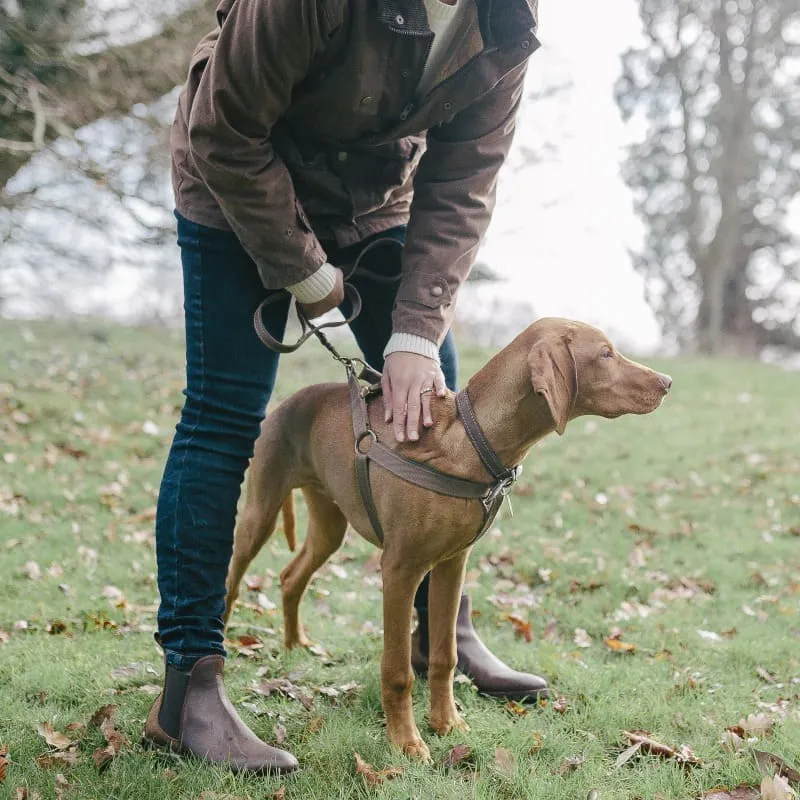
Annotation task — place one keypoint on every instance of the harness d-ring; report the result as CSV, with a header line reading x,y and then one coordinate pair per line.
x,y
363,435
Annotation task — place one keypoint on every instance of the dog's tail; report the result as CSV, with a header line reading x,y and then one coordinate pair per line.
x,y
289,521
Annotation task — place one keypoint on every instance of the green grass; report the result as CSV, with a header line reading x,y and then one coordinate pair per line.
x,y
706,489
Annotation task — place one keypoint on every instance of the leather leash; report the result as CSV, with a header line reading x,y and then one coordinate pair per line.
x,y
491,494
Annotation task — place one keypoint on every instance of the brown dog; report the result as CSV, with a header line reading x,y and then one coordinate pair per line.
x,y
554,371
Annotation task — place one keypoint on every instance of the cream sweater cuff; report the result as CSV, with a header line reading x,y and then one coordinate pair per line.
x,y
410,343
315,287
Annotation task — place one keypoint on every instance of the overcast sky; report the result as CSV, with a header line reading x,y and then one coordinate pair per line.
x,y
563,226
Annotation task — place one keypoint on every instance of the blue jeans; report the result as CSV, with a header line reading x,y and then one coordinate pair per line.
x,y
229,379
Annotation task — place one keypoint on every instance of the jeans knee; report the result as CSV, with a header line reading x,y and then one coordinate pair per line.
x,y
227,429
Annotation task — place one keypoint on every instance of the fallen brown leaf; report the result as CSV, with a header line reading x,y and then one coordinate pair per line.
x,y
570,764
683,755
5,636
75,727
776,788
515,708
102,757
283,685
626,755
61,786
538,741
582,638
765,675
732,742
739,793
522,628
26,794
280,794
372,776
560,705
65,758
280,734
3,762
504,761
114,738
55,739
618,646
103,718
576,586
769,763
103,713
461,752
754,725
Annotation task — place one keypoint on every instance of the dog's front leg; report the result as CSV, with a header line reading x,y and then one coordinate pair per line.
x,y
400,582
444,595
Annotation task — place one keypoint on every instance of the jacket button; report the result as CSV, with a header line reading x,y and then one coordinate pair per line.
x,y
289,233
400,19
341,155
437,291
525,44
404,73
447,105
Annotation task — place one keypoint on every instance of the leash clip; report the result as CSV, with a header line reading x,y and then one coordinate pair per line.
x,y
502,489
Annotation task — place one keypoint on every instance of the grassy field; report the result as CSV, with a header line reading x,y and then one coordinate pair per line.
x,y
677,534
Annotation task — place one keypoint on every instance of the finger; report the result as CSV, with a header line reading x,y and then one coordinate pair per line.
x,y
427,419
439,384
386,394
399,411
414,408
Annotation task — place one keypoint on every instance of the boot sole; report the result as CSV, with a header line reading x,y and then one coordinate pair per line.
x,y
151,744
533,696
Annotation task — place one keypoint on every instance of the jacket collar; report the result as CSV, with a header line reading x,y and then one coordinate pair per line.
x,y
503,23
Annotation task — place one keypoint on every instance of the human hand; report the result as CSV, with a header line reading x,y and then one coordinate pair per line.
x,y
408,381
332,300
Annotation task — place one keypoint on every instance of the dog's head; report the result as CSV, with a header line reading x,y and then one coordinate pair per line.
x,y
577,371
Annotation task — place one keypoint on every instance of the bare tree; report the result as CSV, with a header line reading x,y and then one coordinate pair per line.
x,y
54,79
718,168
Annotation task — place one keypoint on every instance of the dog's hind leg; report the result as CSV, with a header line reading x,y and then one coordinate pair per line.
x,y
326,528
255,526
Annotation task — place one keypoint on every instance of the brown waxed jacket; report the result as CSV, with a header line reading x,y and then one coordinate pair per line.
x,y
300,122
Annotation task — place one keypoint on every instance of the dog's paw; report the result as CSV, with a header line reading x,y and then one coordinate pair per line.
x,y
445,725
296,639
417,749
410,743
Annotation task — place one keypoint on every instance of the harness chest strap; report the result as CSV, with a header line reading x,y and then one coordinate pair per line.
x,y
368,448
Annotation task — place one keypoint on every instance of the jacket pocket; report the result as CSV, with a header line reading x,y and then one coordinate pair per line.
x,y
373,174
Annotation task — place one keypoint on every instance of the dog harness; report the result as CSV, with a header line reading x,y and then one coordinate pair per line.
x,y
367,446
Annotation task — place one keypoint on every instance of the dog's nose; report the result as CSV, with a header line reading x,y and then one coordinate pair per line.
x,y
665,381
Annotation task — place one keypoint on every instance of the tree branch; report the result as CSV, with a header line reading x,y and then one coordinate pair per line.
x,y
109,82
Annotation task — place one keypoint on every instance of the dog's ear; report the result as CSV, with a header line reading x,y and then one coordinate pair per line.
x,y
554,375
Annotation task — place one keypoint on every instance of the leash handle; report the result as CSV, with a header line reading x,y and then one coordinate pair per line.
x,y
309,329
